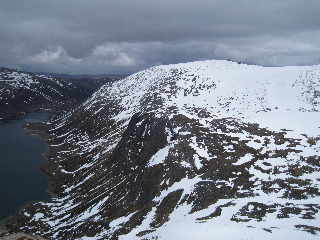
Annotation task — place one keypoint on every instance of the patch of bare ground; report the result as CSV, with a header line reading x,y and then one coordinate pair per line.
x,y
6,235
309,229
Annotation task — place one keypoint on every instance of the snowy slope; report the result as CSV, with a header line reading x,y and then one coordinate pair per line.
x,y
206,150
223,89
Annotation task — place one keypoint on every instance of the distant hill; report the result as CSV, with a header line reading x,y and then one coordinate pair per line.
x,y
22,92
85,76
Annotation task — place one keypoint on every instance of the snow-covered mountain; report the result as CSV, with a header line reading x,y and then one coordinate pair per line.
x,y
202,150
22,92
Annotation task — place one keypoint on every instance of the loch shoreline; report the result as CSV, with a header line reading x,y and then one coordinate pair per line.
x,y
34,129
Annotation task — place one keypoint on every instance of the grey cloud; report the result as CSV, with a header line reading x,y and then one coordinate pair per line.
x,y
66,35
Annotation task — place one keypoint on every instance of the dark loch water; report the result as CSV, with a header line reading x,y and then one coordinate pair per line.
x,y
21,181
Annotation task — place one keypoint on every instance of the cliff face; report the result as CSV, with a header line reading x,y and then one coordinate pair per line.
x,y
204,149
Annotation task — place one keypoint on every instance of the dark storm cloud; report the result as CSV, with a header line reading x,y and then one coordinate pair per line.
x,y
98,36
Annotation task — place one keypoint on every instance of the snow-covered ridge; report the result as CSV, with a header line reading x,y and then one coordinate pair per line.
x,y
196,150
18,79
219,89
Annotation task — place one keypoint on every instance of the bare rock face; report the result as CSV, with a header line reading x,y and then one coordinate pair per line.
x,y
143,138
185,150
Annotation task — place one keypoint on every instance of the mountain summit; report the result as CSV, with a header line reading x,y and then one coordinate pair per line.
x,y
206,150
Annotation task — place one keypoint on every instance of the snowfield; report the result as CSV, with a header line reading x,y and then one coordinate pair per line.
x,y
200,150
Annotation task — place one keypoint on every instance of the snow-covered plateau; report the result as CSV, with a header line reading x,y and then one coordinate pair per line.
x,y
201,150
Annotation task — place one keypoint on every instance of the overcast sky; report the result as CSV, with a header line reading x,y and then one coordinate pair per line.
x,y
115,36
